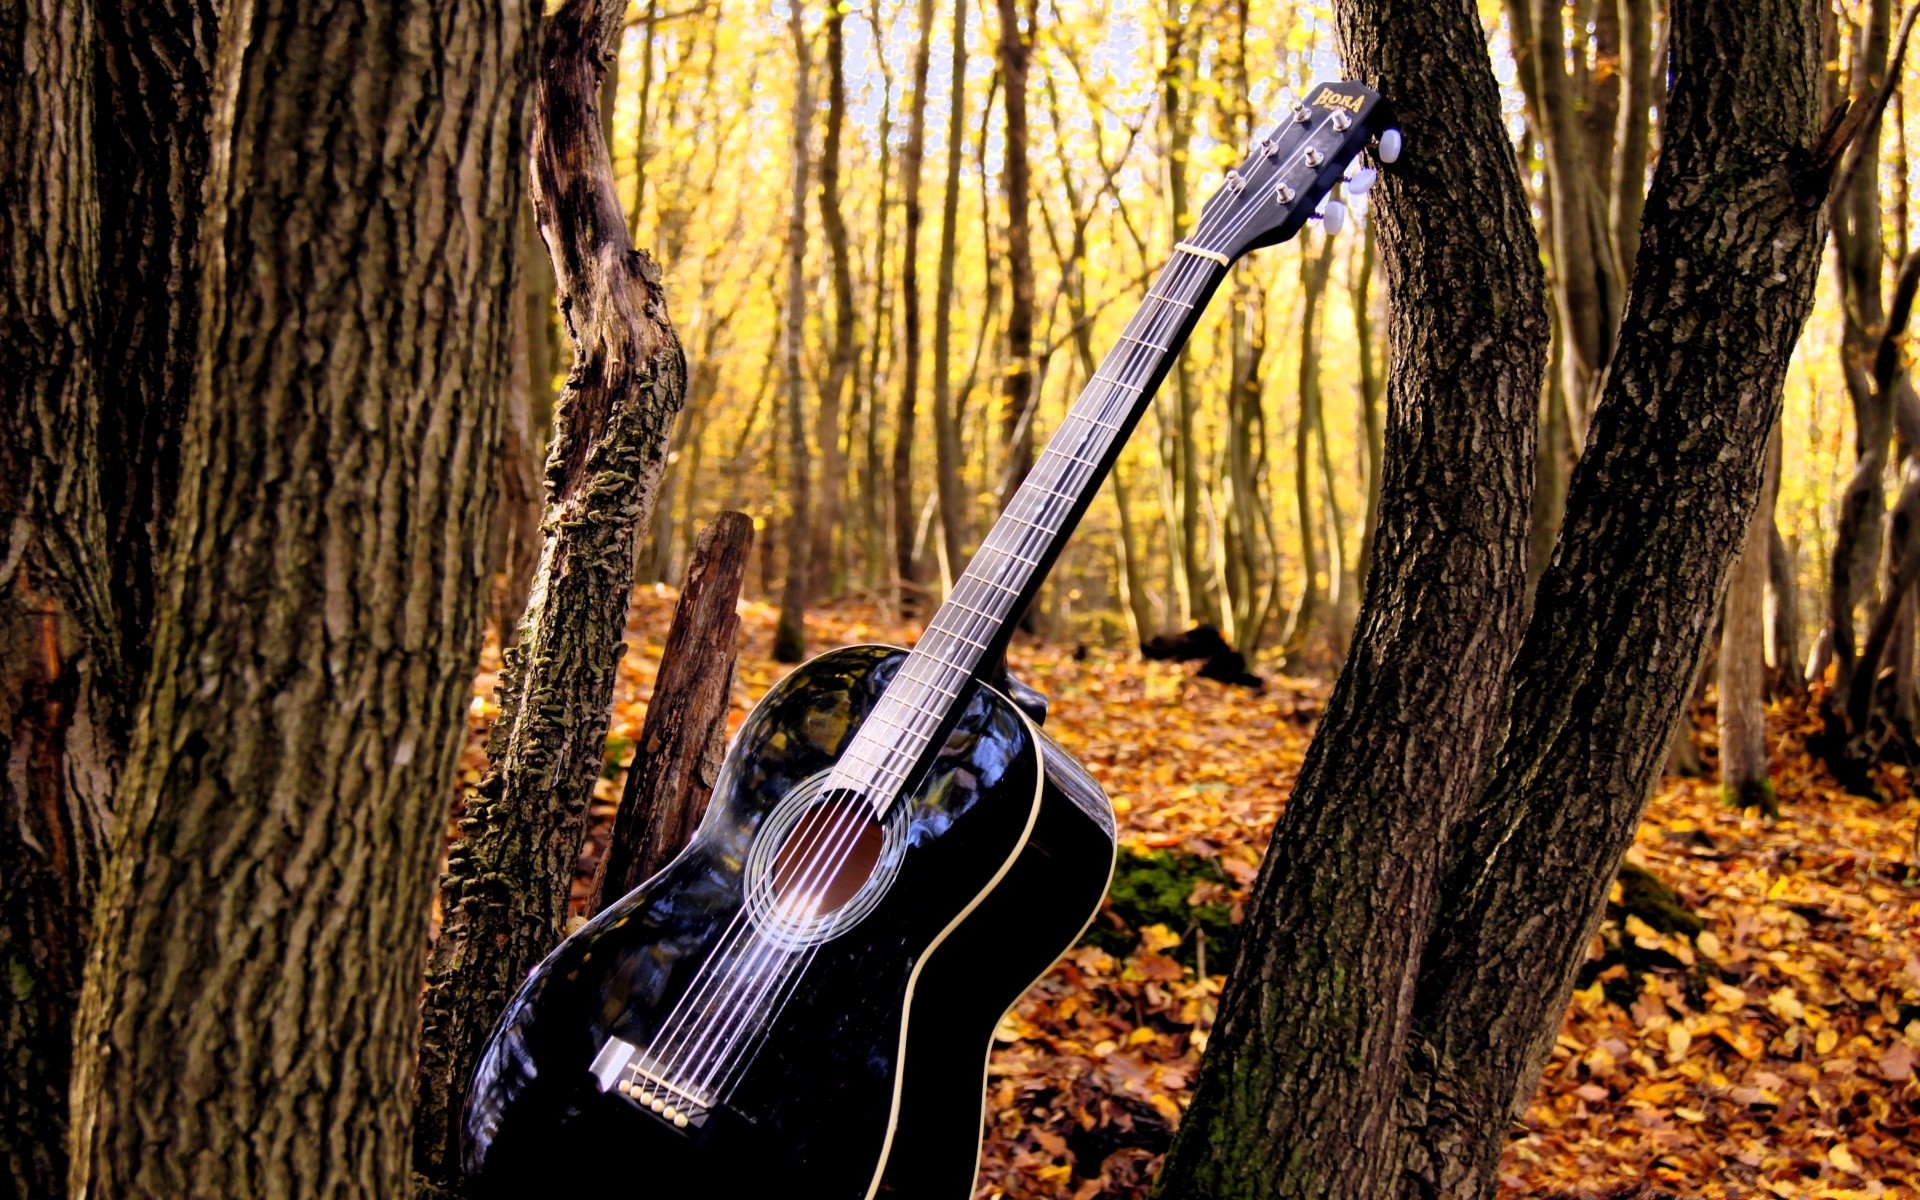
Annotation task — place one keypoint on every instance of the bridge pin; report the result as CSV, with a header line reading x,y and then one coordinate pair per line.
x,y
679,1120
658,1104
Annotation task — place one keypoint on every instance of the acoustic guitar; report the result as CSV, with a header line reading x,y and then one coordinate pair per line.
x,y
801,1003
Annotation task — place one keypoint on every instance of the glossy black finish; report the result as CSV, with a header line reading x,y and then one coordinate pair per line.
x,y
998,875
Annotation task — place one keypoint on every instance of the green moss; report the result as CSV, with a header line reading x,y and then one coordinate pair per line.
x,y
1156,888
1645,896
789,640
1756,793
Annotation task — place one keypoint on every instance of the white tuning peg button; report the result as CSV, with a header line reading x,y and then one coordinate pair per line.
x,y
1362,181
1334,219
1389,148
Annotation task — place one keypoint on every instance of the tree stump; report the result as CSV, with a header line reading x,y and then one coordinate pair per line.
x,y
685,734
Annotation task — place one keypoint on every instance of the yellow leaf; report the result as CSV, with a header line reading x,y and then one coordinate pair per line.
x,y
1678,1039
1843,1158
1823,1044
1785,1005
1709,944
1165,1107
1158,938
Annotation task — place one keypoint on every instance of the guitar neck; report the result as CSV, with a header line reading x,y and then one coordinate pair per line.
x,y
971,629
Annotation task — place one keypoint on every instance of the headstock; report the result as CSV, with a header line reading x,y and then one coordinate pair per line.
x,y
1292,169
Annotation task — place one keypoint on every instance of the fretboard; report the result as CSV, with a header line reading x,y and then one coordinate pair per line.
x,y
970,630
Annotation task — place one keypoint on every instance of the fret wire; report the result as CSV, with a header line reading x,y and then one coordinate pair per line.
x,y
906,720
1032,562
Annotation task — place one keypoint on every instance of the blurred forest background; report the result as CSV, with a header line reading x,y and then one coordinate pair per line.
x,y
968,251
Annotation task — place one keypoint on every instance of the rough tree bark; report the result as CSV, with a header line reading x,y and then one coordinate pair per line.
x,y
247,1023
685,733
151,131
1296,1094
61,671
509,877
103,212
1728,256
790,634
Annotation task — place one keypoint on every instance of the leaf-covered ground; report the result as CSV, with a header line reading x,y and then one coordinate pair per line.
x,y
1773,1053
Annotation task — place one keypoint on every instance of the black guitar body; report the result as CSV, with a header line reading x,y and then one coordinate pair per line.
x,y
868,1081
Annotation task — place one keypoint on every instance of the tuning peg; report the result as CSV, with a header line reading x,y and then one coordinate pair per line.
x,y
1389,147
1333,218
1361,181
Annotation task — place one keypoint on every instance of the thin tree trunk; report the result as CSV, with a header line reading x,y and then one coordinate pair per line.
x,y
684,736
845,353
509,877
1372,388
1017,395
1315,267
321,604
1297,1091
1728,257
911,158
1787,670
790,634
946,422
1745,781
1633,137
527,414
1180,449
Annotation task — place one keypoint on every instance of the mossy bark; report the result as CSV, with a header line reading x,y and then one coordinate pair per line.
x,y
247,1024
1297,1092
509,877
1658,506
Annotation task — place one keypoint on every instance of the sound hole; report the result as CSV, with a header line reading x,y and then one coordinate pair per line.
x,y
825,858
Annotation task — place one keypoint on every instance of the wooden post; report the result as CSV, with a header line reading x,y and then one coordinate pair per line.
x,y
685,733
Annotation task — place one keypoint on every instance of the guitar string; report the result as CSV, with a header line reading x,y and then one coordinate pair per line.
x,y
721,1055
1160,323
1047,534
704,1047
1043,499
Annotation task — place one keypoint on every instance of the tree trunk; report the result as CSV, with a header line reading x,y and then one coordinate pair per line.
x,y
509,877
911,158
62,681
151,129
1315,267
1787,672
790,634
1745,781
1633,135
1016,176
946,421
845,353
247,1025
1371,388
1297,1092
684,736
1858,258
1178,446
527,414
1728,256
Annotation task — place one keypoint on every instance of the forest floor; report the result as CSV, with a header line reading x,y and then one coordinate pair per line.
x,y
1773,1053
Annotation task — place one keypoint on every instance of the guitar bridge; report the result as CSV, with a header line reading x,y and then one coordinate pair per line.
x,y
622,1067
